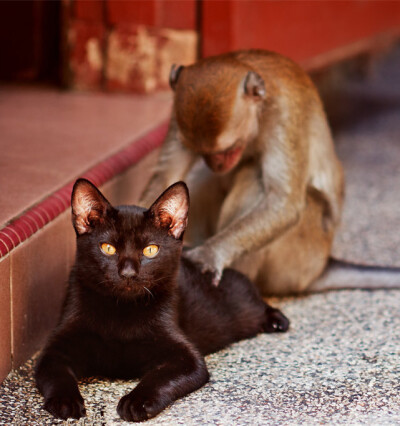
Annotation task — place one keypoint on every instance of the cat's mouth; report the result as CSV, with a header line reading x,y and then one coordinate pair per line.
x,y
131,286
128,284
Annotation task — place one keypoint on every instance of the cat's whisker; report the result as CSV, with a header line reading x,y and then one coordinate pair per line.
x,y
103,282
166,277
152,295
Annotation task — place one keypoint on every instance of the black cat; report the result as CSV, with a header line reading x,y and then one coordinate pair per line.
x,y
135,308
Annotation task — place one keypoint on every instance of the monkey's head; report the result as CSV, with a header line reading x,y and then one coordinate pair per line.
x,y
217,105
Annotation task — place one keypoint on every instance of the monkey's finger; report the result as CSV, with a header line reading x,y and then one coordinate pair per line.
x,y
216,278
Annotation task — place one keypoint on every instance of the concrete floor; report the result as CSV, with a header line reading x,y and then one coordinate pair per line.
x,y
367,136
338,364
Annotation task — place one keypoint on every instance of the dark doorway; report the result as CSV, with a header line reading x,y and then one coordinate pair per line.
x,y
30,34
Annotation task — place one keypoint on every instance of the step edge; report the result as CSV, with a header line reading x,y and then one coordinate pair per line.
x,y
38,216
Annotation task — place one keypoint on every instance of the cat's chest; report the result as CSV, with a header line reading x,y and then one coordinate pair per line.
x,y
122,328
123,355
124,324
114,320
124,347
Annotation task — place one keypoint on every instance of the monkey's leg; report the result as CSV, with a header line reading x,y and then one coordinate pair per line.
x,y
245,192
174,163
206,196
292,262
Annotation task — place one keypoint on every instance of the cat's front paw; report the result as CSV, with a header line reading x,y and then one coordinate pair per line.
x,y
65,407
275,321
134,407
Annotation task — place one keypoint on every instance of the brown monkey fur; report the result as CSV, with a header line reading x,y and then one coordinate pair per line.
x,y
270,199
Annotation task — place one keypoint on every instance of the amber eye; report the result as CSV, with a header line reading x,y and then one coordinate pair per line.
x,y
108,249
150,251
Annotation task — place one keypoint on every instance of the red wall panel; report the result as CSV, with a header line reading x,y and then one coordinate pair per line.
x,y
127,45
175,14
178,14
299,29
88,10
133,12
217,27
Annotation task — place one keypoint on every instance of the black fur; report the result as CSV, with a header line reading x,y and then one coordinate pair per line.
x,y
155,325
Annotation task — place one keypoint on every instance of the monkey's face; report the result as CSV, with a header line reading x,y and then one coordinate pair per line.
x,y
216,109
240,129
222,146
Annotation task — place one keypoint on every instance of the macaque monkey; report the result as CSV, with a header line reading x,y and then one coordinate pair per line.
x,y
249,135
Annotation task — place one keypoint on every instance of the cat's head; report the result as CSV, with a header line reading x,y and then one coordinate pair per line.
x,y
128,251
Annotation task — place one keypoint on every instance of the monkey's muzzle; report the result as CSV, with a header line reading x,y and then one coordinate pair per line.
x,y
222,162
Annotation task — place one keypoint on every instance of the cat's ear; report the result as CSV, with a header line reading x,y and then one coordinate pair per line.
x,y
89,206
170,210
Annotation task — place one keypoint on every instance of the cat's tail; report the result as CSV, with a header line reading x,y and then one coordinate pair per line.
x,y
341,275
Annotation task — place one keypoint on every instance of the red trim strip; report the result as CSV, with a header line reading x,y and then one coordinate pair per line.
x,y
21,228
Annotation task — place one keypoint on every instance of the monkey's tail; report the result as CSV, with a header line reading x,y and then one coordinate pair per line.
x,y
340,275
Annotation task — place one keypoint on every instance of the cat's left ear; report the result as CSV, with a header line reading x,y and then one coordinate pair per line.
x,y
89,206
170,210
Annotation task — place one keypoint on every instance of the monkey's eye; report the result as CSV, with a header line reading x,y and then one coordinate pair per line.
x,y
108,249
151,251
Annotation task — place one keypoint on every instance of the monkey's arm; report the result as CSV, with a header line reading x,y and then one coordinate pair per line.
x,y
174,163
260,207
250,232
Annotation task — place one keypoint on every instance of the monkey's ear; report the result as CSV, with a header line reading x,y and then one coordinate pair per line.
x,y
89,206
170,210
254,85
174,75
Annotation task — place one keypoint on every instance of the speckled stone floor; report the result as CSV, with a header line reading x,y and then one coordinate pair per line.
x,y
339,362
367,137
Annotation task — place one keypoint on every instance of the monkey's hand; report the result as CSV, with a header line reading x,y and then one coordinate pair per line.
x,y
208,262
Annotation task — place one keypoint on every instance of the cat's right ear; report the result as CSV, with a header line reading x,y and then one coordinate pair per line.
x,y
89,206
170,210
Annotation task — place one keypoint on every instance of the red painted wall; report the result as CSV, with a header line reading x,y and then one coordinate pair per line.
x,y
298,29
314,33
311,32
177,14
97,29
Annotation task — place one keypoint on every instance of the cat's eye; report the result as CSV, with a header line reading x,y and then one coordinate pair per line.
x,y
151,251
108,249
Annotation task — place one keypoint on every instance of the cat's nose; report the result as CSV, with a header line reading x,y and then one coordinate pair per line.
x,y
128,270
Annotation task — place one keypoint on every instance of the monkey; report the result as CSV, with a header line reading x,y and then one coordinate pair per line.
x,y
249,135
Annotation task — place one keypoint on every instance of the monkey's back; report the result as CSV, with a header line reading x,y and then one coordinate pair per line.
x,y
293,91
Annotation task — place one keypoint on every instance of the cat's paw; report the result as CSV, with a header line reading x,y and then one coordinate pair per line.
x,y
134,407
66,407
275,321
